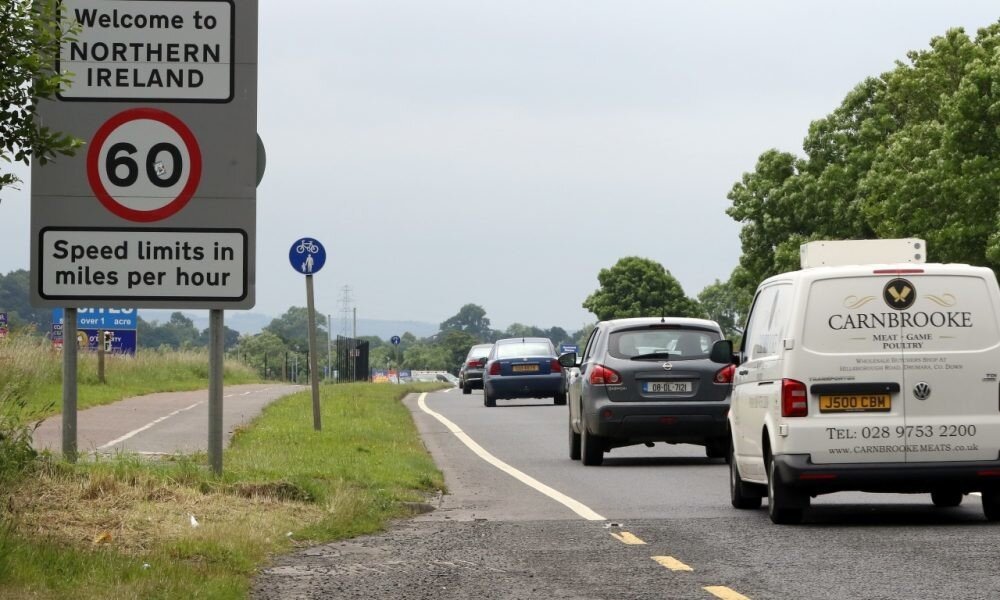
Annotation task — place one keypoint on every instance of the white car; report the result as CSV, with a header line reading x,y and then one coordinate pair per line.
x,y
877,377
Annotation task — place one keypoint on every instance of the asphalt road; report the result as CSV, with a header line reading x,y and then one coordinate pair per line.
x,y
650,523
164,423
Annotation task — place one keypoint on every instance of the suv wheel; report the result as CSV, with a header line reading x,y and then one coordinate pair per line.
x,y
946,498
592,447
718,448
991,504
574,441
784,506
742,495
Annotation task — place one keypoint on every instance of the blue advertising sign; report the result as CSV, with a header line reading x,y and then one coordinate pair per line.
x,y
3,319
395,340
101,318
564,348
307,256
122,342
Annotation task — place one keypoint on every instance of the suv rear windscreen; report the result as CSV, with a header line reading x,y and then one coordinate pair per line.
x,y
673,343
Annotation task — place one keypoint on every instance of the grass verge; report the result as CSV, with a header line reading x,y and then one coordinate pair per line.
x,y
122,528
37,369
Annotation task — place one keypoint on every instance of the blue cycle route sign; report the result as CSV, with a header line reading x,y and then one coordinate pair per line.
x,y
395,340
307,255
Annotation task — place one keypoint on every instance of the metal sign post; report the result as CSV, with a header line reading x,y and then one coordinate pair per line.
x,y
216,347
69,387
307,256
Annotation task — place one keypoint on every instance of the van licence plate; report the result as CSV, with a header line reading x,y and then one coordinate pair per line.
x,y
524,368
855,403
666,386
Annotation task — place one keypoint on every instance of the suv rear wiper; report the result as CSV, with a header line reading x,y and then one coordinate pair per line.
x,y
663,355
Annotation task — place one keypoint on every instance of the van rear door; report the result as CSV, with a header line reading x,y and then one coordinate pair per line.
x,y
951,352
852,368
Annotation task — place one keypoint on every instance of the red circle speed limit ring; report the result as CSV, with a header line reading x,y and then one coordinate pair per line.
x,y
144,164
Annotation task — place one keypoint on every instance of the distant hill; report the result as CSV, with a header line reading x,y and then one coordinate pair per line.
x,y
249,323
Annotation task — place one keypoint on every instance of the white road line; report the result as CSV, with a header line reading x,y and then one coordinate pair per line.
x,y
229,395
135,432
246,393
524,478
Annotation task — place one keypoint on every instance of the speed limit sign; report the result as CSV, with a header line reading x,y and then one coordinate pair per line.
x,y
144,164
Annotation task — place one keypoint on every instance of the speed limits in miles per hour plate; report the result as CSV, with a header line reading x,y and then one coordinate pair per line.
x,y
144,164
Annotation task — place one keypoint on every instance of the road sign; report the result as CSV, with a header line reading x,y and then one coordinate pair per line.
x,y
101,318
395,340
144,164
160,210
307,256
122,342
4,325
564,348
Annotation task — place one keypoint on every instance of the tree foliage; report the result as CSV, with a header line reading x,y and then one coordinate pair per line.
x,y
914,152
31,32
471,319
639,287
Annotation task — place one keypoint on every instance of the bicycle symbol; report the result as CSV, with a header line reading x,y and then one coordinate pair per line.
x,y
307,246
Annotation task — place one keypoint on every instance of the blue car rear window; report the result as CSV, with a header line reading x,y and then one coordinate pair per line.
x,y
525,349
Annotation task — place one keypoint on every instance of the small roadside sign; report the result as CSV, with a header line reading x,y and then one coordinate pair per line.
x,y
395,340
116,319
307,256
4,325
565,348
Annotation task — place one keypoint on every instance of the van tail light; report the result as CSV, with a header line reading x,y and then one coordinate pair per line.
x,y
897,271
495,368
601,375
556,367
794,399
725,374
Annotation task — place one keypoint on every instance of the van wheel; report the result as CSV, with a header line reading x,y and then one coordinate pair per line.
x,y
741,494
591,447
784,506
574,441
946,498
991,504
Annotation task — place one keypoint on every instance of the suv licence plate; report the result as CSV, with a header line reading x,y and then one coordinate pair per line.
x,y
656,387
855,403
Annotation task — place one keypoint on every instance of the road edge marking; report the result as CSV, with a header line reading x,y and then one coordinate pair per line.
x,y
135,432
671,563
721,591
574,505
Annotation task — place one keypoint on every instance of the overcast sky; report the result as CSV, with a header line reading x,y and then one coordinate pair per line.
x,y
503,152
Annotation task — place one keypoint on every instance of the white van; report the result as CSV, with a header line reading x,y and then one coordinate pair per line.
x,y
870,377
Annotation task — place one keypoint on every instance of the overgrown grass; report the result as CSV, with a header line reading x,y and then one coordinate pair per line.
x,y
37,369
89,530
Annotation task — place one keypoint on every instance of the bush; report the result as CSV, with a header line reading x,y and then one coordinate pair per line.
x,y
17,425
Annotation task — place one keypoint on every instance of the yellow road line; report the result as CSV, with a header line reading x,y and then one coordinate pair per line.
x,y
721,591
627,538
671,563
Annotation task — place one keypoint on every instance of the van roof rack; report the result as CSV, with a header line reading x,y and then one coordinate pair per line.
x,y
835,253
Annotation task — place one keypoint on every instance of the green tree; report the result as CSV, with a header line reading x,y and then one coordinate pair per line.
x,y
427,357
293,329
727,305
178,332
31,32
471,318
456,344
14,301
264,348
914,152
639,287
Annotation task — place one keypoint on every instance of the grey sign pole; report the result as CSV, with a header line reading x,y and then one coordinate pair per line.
x,y
69,385
215,358
313,373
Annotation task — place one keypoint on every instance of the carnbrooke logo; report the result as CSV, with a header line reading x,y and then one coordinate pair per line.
x,y
899,294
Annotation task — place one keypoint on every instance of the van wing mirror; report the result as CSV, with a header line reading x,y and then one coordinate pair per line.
x,y
568,360
722,352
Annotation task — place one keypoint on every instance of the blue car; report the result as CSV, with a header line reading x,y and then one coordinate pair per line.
x,y
523,368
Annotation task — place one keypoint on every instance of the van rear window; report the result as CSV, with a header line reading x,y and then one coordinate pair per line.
x,y
900,314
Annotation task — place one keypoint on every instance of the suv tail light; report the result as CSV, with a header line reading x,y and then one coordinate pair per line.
x,y
495,368
794,399
601,375
725,374
556,367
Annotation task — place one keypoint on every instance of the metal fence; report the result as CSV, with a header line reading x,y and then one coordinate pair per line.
x,y
352,360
